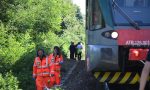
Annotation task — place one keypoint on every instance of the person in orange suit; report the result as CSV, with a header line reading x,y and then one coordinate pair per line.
x,y
58,62
52,70
57,56
41,71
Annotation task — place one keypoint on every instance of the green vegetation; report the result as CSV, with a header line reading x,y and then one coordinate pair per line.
x,y
26,25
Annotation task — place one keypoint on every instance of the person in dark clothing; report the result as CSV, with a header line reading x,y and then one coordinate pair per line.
x,y
76,53
72,50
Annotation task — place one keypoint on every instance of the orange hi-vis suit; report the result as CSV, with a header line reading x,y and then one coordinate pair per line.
x,y
52,70
58,60
41,72
57,66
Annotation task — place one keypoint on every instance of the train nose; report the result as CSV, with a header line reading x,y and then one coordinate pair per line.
x,y
102,58
90,65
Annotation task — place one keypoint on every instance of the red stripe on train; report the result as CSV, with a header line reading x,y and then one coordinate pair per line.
x,y
133,37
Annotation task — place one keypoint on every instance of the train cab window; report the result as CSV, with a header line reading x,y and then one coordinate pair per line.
x,y
136,10
139,3
96,16
129,3
135,3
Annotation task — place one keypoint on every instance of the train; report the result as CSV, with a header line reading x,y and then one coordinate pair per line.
x,y
117,39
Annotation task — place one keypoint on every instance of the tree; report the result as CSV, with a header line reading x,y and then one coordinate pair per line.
x,y
28,24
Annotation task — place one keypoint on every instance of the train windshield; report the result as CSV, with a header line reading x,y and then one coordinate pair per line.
x,y
131,11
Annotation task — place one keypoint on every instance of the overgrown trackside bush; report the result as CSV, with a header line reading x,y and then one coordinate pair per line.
x,y
8,82
26,25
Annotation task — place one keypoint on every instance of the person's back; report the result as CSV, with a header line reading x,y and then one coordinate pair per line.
x,y
79,50
79,46
72,50
76,53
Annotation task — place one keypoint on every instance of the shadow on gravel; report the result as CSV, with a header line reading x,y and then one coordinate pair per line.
x,y
80,79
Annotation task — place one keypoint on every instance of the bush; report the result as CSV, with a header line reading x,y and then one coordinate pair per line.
x,y
32,24
8,82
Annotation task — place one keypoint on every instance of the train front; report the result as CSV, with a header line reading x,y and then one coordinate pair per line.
x,y
118,39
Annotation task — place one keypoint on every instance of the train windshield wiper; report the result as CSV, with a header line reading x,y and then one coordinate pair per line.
x,y
129,19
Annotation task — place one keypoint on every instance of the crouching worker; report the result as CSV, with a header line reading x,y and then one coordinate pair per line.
x,y
41,71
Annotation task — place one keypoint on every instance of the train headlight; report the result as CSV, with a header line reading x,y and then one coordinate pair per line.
x,y
114,35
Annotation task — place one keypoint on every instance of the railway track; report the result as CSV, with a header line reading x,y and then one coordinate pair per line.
x,y
76,78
